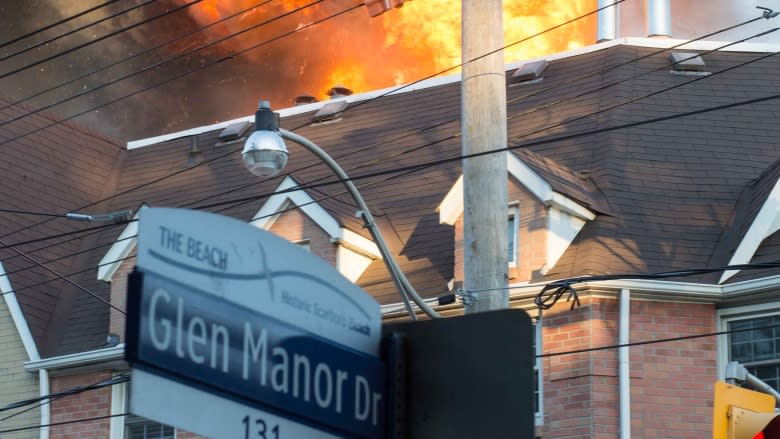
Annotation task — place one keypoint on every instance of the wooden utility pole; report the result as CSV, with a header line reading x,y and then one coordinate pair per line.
x,y
483,126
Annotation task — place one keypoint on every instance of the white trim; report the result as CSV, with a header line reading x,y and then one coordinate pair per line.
x,y
20,322
118,406
122,247
45,391
269,211
443,80
649,290
78,359
358,243
351,264
571,207
528,178
451,206
562,228
764,225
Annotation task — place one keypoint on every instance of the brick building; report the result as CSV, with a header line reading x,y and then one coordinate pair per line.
x,y
694,191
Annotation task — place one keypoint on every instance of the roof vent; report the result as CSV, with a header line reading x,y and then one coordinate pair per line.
x,y
195,155
331,111
303,100
339,91
234,131
530,71
687,62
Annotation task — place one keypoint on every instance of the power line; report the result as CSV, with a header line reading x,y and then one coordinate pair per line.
x,y
161,63
410,169
224,155
71,282
72,31
180,75
54,424
56,23
656,341
137,55
421,166
101,38
119,379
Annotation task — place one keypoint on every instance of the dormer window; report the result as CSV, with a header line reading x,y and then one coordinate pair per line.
x,y
511,235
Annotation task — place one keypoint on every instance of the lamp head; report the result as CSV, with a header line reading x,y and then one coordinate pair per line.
x,y
265,153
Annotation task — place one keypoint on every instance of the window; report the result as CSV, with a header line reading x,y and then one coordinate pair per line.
x,y
757,349
512,237
132,426
137,427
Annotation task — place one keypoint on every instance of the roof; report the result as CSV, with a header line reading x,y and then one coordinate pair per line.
x,y
54,170
664,193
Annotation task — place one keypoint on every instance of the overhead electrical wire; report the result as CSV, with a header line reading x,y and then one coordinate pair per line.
x,y
412,170
544,355
98,39
56,23
55,424
91,293
231,152
188,72
163,62
425,165
73,31
137,55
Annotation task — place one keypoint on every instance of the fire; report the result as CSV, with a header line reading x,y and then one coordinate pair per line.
x,y
397,47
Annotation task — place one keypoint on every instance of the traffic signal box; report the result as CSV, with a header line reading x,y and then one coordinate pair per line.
x,y
743,414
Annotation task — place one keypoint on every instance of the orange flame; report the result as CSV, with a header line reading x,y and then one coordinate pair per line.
x,y
397,47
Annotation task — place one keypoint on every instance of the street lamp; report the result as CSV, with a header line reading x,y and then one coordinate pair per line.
x,y
265,155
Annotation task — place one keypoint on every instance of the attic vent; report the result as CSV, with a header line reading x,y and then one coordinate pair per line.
x,y
339,91
234,131
330,112
304,99
530,71
688,62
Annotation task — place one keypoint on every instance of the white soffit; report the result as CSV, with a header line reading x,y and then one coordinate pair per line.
x,y
122,247
18,316
277,203
766,223
451,206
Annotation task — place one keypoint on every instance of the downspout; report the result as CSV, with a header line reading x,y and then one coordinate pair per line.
x,y
624,378
607,21
43,377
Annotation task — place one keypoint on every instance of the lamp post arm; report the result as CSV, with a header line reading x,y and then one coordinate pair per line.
x,y
401,282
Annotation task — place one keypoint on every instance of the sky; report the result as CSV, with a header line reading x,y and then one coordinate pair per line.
x,y
384,51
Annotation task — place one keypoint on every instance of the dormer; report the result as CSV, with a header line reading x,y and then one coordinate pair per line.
x,y
300,219
548,206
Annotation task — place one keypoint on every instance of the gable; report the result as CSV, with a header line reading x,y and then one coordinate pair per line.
x,y
765,224
354,253
565,216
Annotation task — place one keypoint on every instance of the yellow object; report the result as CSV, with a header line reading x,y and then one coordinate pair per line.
x,y
739,413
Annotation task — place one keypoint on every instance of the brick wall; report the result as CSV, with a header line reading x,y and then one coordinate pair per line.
x,y
294,225
80,406
15,383
119,297
671,383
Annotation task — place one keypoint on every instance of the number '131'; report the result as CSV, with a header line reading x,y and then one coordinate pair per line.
x,y
261,432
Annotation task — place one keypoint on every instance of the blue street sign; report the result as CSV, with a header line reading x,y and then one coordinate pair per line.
x,y
215,343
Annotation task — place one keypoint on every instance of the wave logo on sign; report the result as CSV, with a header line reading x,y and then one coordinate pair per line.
x,y
265,273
